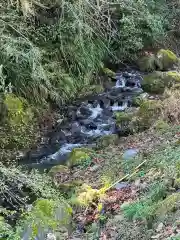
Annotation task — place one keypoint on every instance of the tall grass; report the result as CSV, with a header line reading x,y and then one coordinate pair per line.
x,y
51,49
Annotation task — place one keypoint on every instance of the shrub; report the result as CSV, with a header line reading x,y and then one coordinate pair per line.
x,y
50,50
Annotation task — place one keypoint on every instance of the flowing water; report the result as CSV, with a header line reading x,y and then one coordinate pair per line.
x,y
87,121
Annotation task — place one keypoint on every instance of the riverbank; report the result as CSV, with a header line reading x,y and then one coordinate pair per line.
x,y
121,183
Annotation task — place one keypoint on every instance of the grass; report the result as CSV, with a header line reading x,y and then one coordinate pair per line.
x,y
50,51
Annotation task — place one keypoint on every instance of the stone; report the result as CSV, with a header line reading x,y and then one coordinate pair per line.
x,y
75,128
121,185
115,91
162,60
118,218
84,110
160,227
130,153
166,59
154,83
57,137
109,73
77,157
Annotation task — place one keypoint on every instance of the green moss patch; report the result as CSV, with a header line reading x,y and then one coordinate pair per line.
x,y
166,59
18,130
78,156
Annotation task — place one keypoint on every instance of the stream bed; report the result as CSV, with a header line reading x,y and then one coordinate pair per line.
x,y
87,121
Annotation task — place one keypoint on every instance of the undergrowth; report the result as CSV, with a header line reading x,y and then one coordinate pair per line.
x,y
18,190
160,197
51,50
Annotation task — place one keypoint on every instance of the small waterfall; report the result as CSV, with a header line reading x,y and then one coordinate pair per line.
x,y
94,119
96,111
120,83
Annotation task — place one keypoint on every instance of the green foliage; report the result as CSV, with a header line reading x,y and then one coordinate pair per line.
x,y
18,129
146,208
149,111
50,210
147,63
50,50
161,125
139,23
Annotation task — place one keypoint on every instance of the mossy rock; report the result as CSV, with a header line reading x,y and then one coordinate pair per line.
x,y
109,73
77,157
172,77
147,63
157,81
105,141
154,83
166,59
58,169
147,114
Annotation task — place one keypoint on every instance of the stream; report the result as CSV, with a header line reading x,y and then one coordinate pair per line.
x,y
87,121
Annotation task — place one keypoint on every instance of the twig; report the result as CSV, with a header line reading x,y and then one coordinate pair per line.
x,y
126,176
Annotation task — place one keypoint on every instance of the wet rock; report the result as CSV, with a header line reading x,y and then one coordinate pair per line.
x,y
57,137
75,128
131,83
104,102
85,111
115,91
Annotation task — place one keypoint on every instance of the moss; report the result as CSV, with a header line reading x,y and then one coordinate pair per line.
x,y
172,77
18,130
109,73
77,157
147,63
107,140
154,83
166,59
148,113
